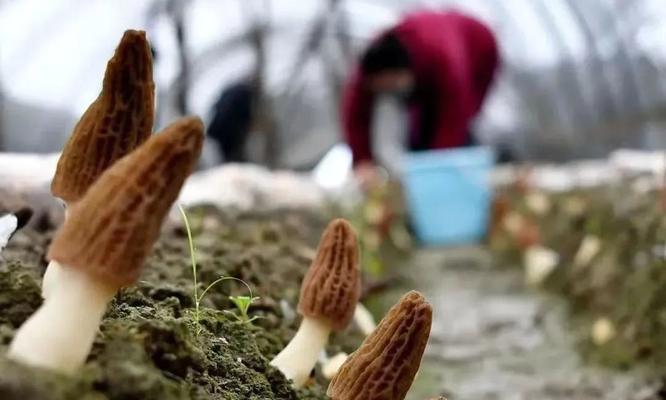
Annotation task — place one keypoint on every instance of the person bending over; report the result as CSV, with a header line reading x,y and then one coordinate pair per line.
x,y
440,64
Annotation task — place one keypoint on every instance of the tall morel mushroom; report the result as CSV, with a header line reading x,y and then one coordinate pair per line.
x,y
329,293
383,368
103,244
117,122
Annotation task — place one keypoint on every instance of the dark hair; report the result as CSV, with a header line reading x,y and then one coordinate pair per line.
x,y
386,53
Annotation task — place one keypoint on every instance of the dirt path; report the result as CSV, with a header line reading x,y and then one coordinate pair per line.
x,y
494,339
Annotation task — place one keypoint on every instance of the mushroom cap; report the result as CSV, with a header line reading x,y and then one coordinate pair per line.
x,y
118,121
111,230
384,367
332,286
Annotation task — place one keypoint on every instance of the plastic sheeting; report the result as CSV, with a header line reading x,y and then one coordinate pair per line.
x,y
580,77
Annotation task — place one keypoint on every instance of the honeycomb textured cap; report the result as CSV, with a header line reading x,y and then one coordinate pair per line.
x,y
118,121
332,286
112,229
383,368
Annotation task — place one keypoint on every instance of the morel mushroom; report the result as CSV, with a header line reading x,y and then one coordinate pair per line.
x,y
103,244
329,293
384,367
117,122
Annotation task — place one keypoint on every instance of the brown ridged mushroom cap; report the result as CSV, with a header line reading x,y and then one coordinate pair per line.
x,y
118,121
384,367
111,230
332,286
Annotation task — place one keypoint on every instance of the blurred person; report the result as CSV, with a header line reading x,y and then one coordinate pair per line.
x,y
440,65
231,120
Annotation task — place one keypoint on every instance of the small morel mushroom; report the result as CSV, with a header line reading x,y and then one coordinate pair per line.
x,y
103,243
384,367
329,293
117,122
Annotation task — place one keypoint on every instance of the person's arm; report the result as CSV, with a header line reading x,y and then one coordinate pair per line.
x,y
389,132
356,115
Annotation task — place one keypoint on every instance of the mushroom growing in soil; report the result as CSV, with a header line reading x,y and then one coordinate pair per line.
x,y
103,244
117,122
383,368
329,293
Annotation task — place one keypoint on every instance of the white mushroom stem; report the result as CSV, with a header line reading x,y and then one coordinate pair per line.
x,y
51,273
331,367
8,224
298,359
60,334
364,319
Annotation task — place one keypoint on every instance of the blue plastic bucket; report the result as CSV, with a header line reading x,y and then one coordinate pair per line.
x,y
448,194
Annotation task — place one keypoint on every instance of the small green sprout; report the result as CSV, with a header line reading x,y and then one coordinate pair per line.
x,y
242,302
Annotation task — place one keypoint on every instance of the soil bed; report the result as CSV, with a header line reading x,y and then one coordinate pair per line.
x,y
148,346
610,244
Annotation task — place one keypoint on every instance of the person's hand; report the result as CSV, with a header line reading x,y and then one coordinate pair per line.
x,y
368,175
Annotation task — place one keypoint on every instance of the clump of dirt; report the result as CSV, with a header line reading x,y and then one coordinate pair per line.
x,y
149,346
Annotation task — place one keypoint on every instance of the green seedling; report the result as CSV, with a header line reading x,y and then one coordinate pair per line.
x,y
241,304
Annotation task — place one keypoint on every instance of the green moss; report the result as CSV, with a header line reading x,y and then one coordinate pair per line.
x,y
19,295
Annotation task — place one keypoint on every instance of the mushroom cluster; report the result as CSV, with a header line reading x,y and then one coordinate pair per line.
x,y
119,182
116,123
384,367
103,244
